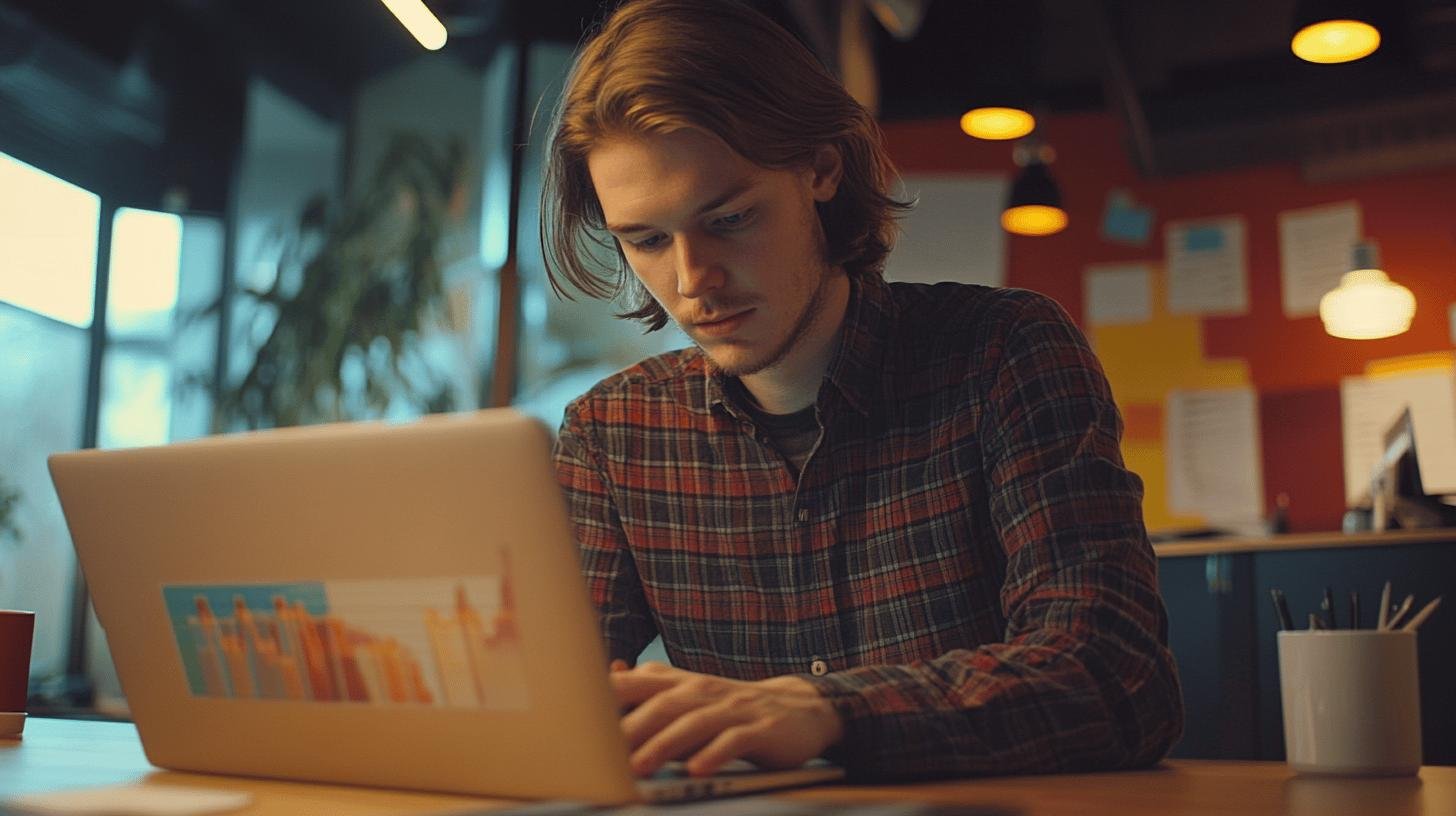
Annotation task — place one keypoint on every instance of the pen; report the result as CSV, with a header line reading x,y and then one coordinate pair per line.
x,y
1354,609
1314,622
1421,616
1400,611
1327,610
1383,612
1281,607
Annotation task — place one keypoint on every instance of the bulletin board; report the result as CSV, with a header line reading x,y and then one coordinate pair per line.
x,y
1293,367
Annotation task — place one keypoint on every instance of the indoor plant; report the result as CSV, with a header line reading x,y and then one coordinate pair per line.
x,y
352,293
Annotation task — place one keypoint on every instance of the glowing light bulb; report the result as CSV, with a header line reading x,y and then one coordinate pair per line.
x,y
997,123
1332,41
1034,219
1367,305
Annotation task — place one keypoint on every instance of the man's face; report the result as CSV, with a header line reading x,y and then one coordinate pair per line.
x,y
734,252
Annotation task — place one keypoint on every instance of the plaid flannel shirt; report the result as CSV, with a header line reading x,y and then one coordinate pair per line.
x,y
961,568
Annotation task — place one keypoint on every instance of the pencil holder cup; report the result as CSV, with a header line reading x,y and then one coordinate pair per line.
x,y
1352,703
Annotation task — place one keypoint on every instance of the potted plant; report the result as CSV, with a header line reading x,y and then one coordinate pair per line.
x,y
353,291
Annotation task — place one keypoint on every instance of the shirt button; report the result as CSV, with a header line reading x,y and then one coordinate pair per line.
x,y
803,514
818,668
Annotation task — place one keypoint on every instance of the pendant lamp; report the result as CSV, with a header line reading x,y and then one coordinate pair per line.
x,y
1334,31
1367,305
1034,205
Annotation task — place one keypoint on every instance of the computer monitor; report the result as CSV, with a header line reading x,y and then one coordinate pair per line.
x,y
1398,499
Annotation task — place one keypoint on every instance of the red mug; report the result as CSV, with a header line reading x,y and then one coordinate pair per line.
x,y
16,631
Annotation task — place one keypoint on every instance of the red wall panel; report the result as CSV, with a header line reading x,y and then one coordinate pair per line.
x,y
1295,366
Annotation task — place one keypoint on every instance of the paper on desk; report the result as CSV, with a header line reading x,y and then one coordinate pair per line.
x,y
130,800
1314,251
1370,405
1118,293
1215,465
1207,269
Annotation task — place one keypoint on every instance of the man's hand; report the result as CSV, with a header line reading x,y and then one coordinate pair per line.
x,y
781,722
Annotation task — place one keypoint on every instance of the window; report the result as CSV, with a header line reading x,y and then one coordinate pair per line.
x,y
48,239
48,235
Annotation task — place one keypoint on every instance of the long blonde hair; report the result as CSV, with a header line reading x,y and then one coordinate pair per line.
x,y
722,68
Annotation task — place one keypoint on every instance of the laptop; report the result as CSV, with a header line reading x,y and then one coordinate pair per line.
x,y
375,604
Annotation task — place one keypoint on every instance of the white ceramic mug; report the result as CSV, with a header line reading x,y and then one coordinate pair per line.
x,y
1352,702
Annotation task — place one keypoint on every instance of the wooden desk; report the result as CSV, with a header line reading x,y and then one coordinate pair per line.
x,y
58,754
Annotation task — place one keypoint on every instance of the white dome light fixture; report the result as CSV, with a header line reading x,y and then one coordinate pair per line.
x,y
1367,305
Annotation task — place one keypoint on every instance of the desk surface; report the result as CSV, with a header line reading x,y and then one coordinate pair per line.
x,y
58,754
1301,541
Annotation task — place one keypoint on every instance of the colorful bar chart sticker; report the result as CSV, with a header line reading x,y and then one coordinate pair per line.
x,y
446,642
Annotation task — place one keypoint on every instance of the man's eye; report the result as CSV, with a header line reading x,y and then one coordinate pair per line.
x,y
648,244
733,219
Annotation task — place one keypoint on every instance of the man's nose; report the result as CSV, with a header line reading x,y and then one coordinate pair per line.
x,y
699,266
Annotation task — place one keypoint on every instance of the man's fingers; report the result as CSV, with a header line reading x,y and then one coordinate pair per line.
x,y
683,736
689,691
635,686
658,713
618,665
736,742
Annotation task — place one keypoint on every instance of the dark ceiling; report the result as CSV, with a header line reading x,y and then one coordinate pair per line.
x,y
1189,50
1198,84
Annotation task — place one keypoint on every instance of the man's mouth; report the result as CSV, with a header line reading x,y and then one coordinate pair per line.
x,y
720,326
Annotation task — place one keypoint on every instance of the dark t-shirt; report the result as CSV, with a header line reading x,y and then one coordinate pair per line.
x,y
793,435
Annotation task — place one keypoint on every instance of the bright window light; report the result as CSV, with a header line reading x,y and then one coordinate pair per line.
x,y
48,228
420,21
146,252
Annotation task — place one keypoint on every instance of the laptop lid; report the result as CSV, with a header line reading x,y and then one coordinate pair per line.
x,y
390,605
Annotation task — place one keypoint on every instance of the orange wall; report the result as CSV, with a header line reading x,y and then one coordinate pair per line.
x,y
1294,365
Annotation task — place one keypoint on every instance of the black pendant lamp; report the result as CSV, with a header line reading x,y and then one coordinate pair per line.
x,y
1034,206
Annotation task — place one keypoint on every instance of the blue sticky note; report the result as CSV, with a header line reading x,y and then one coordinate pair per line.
x,y
1203,239
1126,222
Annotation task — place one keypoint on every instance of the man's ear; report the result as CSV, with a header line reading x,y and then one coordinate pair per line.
x,y
825,173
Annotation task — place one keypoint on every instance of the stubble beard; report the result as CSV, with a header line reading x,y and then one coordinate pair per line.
x,y
812,308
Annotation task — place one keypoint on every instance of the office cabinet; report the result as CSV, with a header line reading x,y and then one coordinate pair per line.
x,y
1222,628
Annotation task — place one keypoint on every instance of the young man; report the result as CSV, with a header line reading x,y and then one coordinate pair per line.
x,y
885,523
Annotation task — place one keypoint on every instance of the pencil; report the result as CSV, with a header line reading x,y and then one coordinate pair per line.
x,y
1281,608
1421,616
1399,614
1383,613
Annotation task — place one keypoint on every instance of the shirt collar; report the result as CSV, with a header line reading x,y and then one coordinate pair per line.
x,y
855,370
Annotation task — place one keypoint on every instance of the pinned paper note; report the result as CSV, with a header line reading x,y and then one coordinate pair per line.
x,y
1215,463
1126,222
1118,293
1314,252
1207,269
